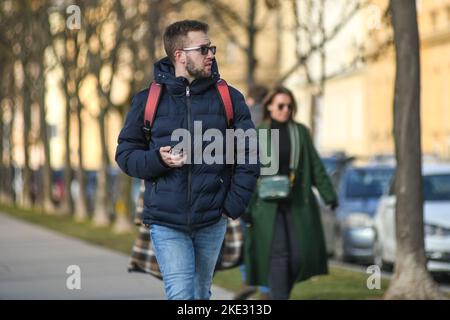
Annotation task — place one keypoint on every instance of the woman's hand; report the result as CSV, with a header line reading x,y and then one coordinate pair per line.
x,y
333,205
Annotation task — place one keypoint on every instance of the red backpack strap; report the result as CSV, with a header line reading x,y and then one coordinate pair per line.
x,y
224,93
150,107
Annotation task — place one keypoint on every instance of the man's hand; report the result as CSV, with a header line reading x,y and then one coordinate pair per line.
x,y
172,160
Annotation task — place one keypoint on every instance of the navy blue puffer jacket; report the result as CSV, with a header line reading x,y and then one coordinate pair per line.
x,y
195,195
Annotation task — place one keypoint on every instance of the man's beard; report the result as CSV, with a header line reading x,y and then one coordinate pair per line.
x,y
196,73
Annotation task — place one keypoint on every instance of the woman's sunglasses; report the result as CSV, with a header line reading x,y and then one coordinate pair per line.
x,y
281,106
203,49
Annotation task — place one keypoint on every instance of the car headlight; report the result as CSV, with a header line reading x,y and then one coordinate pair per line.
x,y
358,220
433,230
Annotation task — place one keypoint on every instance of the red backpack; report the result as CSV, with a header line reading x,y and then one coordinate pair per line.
x,y
155,93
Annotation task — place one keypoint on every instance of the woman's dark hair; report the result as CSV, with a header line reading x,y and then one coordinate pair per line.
x,y
175,34
271,95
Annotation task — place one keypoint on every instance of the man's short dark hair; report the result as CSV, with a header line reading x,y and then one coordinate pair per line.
x,y
177,31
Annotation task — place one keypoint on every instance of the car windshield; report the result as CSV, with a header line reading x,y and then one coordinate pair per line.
x,y
367,183
436,187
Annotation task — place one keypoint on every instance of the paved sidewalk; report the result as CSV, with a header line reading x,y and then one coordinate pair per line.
x,y
34,260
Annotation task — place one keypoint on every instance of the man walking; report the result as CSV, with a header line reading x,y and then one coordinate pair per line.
x,y
186,204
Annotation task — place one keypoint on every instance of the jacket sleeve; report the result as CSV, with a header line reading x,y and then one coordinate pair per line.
x,y
320,178
133,154
245,175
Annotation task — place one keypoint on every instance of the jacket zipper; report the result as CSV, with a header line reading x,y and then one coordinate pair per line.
x,y
188,105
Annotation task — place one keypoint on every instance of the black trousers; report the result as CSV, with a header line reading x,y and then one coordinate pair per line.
x,y
285,255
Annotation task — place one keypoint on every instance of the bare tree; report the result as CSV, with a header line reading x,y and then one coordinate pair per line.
x,y
138,33
24,39
81,207
6,87
314,35
67,205
232,23
26,20
76,51
66,57
3,167
66,51
7,118
77,68
411,279
8,179
143,48
98,56
68,46
36,74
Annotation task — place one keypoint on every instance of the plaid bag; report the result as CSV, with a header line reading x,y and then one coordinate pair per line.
x,y
231,253
143,258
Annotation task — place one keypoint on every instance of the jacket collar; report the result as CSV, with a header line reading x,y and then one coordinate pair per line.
x,y
164,73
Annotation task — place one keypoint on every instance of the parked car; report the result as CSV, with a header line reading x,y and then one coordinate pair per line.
x,y
436,192
359,191
334,164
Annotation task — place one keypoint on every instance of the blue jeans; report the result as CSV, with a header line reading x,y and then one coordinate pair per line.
x,y
187,261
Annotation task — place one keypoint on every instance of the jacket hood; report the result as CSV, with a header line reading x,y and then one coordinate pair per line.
x,y
164,73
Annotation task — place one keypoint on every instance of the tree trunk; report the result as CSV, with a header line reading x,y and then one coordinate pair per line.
x,y
3,167
123,206
251,34
47,170
411,279
2,164
10,174
7,95
101,216
81,210
26,201
66,206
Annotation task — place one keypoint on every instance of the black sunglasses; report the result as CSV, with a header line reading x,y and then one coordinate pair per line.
x,y
282,105
203,49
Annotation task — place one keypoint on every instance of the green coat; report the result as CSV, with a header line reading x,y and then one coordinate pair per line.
x,y
306,216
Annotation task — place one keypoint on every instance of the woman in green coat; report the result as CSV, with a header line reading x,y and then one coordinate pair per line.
x,y
284,243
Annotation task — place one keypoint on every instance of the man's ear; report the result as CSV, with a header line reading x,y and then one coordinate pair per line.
x,y
180,57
